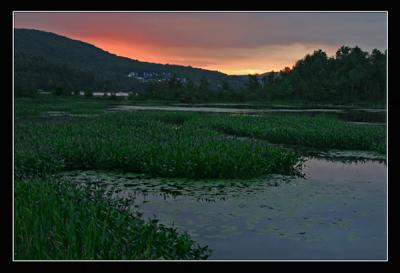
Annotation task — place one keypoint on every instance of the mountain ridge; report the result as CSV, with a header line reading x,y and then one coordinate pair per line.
x,y
101,68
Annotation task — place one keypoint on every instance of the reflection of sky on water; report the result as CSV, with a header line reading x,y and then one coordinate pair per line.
x,y
337,212
353,171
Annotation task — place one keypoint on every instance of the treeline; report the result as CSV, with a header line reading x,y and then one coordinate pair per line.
x,y
189,91
352,75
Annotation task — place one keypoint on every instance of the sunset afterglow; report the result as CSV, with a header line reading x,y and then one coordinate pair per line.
x,y
233,43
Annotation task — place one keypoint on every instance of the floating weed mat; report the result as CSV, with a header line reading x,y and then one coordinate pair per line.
x,y
57,220
126,184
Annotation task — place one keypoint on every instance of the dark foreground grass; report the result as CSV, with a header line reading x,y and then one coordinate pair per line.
x,y
58,221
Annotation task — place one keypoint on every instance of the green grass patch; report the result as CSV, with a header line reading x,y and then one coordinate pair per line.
x,y
55,220
152,143
73,105
320,132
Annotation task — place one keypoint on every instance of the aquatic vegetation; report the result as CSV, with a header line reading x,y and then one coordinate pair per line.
x,y
318,132
41,105
179,144
56,220
138,142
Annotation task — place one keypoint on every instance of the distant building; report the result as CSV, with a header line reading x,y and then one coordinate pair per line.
x,y
133,75
182,80
150,76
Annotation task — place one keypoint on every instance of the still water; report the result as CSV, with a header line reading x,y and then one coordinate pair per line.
x,y
214,109
337,211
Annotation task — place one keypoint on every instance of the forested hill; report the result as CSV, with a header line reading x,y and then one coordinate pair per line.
x,y
351,75
46,60
54,63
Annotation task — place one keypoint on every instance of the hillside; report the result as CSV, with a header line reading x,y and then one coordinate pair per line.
x,y
46,60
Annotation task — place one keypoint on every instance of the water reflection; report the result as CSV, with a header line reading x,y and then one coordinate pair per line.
x,y
338,211
348,157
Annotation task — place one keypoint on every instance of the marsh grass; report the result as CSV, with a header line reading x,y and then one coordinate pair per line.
x,y
179,144
138,142
25,107
55,220
323,132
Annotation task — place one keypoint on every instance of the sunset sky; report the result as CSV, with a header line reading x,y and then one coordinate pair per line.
x,y
233,43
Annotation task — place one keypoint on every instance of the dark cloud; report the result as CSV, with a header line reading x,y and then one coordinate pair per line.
x,y
216,30
225,41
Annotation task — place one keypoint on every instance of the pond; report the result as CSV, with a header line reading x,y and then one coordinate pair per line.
x,y
337,211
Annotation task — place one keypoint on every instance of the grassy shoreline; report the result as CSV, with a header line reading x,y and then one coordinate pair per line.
x,y
55,220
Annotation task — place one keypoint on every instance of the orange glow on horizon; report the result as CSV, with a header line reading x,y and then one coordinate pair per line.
x,y
163,55
232,43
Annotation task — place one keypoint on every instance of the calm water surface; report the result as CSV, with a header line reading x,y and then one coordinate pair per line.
x,y
338,211
213,109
